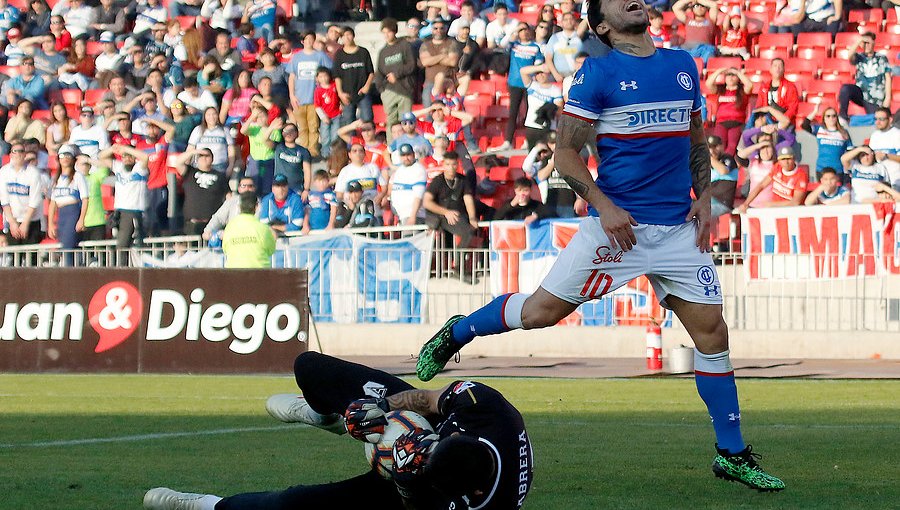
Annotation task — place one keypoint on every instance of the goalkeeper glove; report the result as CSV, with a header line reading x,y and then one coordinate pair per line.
x,y
365,418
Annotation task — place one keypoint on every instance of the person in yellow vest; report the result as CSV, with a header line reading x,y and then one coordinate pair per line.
x,y
247,242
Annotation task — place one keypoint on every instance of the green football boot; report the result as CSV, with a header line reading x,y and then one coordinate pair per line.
x,y
438,351
742,467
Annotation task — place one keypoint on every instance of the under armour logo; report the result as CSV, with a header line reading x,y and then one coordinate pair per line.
x,y
734,416
711,290
626,86
374,389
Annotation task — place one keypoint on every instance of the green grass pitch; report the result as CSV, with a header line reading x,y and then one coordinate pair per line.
x,y
98,442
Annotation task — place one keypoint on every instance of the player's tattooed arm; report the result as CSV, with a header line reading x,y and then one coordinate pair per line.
x,y
572,135
424,402
699,158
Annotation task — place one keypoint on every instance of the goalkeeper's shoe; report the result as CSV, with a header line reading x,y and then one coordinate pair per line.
x,y
291,408
438,351
742,467
162,498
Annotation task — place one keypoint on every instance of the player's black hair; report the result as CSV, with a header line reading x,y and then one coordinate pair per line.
x,y
451,155
886,111
595,17
828,170
460,465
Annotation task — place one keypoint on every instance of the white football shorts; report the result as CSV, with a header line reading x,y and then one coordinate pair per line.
x,y
587,268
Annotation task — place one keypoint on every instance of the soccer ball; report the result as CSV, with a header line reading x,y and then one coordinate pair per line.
x,y
380,455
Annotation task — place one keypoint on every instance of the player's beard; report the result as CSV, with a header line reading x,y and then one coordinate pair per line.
x,y
636,28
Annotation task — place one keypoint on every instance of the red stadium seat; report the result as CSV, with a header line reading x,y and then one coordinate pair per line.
x,y
783,42
526,17
866,20
71,96
887,41
378,115
773,53
41,115
93,96
814,40
11,71
843,41
837,65
94,48
481,87
187,22
801,66
812,54
892,28
723,62
825,91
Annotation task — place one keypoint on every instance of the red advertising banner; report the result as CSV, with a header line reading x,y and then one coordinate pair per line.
x,y
152,320
821,242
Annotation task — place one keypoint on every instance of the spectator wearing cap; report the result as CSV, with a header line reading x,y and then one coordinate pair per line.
x,y
22,198
723,177
9,16
829,191
22,126
700,26
524,52
437,55
78,17
394,74
787,180
406,188
412,136
109,62
872,87
14,50
732,98
69,198
293,161
328,108
355,211
247,241
204,189
282,209
88,136
868,176
301,87
354,76
36,18
27,85
108,17
545,100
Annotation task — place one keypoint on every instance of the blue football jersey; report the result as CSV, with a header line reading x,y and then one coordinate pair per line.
x,y
641,108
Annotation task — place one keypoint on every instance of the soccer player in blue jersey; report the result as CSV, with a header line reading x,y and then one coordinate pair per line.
x,y
642,104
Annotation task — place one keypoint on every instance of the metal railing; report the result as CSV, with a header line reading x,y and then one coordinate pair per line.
x,y
459,282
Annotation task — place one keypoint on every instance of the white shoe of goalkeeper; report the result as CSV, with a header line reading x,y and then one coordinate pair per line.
x,y
162,498
291,408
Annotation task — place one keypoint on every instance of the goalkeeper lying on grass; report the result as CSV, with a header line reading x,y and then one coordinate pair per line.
x,y
478,457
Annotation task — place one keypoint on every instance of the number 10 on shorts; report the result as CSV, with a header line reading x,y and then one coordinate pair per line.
x,y
596,285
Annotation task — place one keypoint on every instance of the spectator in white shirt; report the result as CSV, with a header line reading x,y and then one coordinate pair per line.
x,y
477,26
22,198
501,32
78,17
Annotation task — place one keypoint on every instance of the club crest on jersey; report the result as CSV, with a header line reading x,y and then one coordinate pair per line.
x,y
626,85
684,79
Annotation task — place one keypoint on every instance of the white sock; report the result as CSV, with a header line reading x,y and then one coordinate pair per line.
x,y
512,310
719,363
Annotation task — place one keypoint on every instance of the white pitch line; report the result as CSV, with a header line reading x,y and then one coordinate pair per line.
x,y
145,437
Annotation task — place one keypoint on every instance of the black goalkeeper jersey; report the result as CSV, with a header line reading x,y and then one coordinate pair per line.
x,y
475,409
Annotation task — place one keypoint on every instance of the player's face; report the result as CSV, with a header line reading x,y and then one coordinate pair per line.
x,y
626,16
829,182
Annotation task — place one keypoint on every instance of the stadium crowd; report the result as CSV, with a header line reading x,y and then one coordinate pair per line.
x,y
147,118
